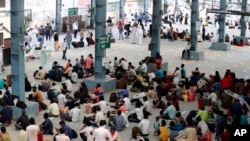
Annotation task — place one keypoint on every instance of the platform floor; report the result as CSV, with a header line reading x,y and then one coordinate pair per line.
x,y
237,59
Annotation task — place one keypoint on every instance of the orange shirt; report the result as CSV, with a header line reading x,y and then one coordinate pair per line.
x,y
38,96
123,108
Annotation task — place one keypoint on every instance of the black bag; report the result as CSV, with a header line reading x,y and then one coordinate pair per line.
x,y
51,94
74,134
43,105
35,73
80,44
75,44
21,104
113,97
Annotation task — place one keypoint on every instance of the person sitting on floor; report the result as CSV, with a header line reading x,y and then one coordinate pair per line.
x,y
47,125
40,74
22,122
5,115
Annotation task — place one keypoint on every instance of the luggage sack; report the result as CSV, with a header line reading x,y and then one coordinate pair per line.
x,y
74,44
80,44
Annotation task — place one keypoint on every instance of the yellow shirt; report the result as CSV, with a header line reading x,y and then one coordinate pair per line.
x,y
164,134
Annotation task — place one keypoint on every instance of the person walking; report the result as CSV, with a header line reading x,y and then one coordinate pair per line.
x,y
75,28
120,28
64,49
32,130
68,38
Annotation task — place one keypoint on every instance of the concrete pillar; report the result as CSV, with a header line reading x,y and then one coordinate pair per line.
x,y
222,19
109,84
194,19
92,14
242,20
156,27
144,5
176,4
58,15
121,13
221,45
100,29
17,48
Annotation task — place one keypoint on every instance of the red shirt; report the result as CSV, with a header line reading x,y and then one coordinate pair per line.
x,y
225,136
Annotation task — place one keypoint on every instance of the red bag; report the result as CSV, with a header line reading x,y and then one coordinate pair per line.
x,y
40,136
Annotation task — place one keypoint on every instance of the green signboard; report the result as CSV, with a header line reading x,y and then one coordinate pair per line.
x,y
73,11
104,42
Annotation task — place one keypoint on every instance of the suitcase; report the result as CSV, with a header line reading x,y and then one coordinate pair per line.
x,y
40,136
74,44
113,97
80,44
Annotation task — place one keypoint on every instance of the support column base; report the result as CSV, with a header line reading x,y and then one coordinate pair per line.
x,y
194,55
108,84
164,66
220,46
31,110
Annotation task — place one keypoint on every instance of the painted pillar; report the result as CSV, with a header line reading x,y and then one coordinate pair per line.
x,y
17,48
194,19
144,5
156,27
222,19
176,5
242,20
100,30
58,15
121,13
92,17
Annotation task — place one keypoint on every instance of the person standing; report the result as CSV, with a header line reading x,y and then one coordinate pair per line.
x,y
64,49
120,28
186,19
68,38
53,28
140,35
32,130
48,31
187,49
75,28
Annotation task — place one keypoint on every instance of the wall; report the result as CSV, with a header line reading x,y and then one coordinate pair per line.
x,y
6,23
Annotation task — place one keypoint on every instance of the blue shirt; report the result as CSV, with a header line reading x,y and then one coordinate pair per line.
x,y
68,130
2,82
159,73
122,93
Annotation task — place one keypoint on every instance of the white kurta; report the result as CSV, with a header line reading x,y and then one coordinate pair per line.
x,y
139,36
133,37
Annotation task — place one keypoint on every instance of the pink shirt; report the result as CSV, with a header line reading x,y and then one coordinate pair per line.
x,y
88,63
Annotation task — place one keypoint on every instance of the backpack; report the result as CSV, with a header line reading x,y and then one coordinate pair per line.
x,y
21,104
51,94
113,97
43,105
74,134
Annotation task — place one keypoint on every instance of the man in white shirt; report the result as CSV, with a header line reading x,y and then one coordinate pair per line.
x,y
187,49
61,98
32,130
99,116
74,77
144,67
102,104
68,84
75,113
75,28
136,115
213,97
202,125
86,131
62,136
127,102
56,88
146,106
138,97
144,126
101,133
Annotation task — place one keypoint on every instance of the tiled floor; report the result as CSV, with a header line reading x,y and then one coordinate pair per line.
x,y
236,59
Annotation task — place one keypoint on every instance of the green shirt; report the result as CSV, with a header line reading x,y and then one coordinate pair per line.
x,y
203,114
